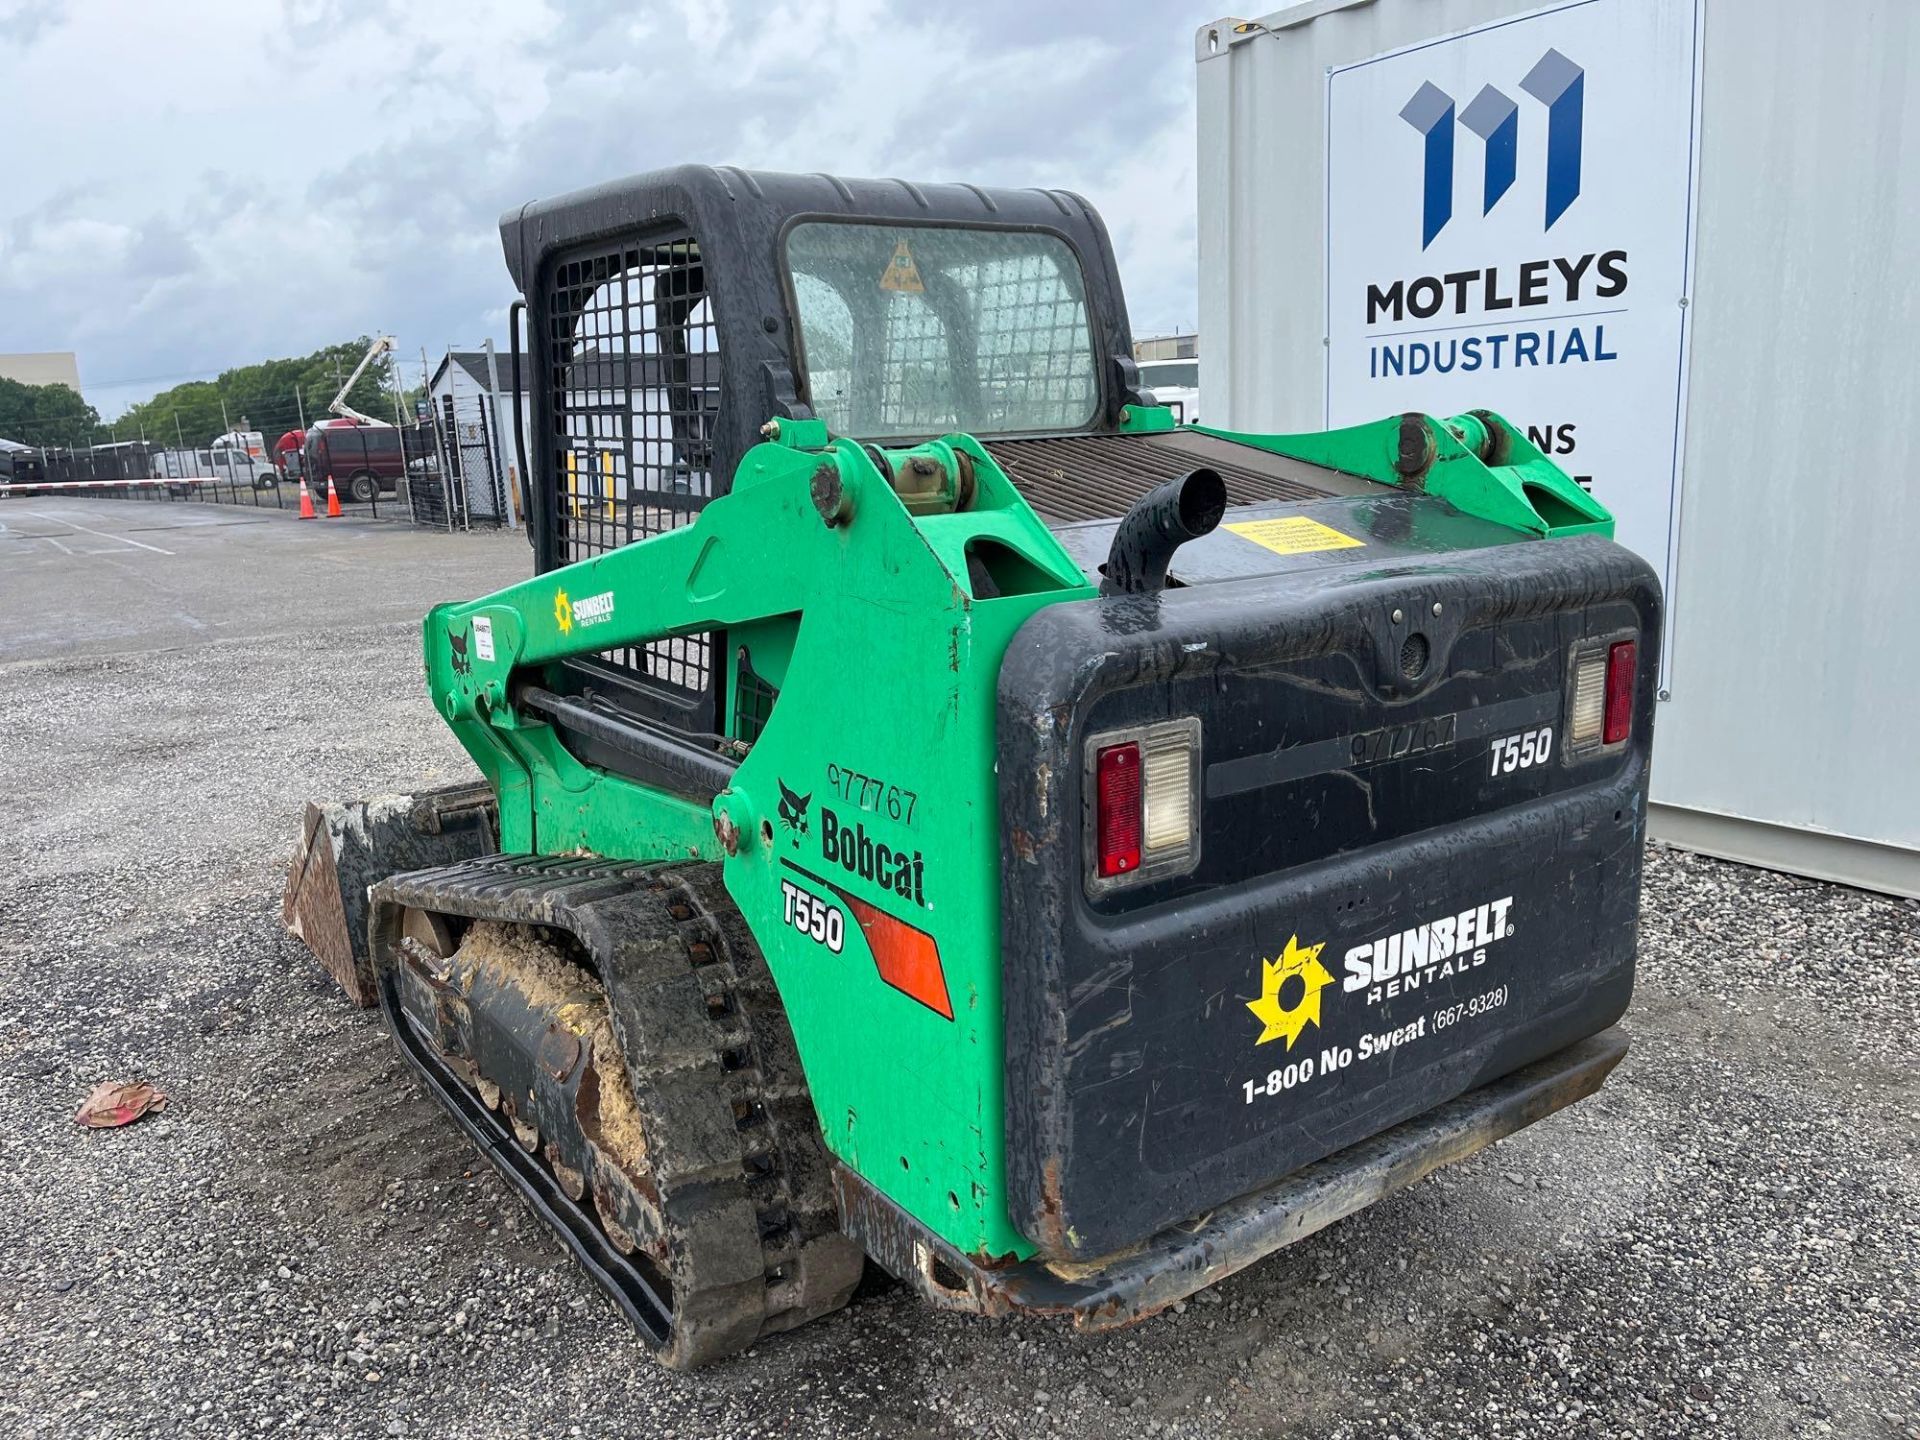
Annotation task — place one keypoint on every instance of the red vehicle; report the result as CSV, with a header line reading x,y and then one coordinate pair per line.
x,y
361,459
289,453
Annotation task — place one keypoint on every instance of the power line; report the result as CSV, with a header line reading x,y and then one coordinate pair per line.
x,y
284,412
280,410
189,376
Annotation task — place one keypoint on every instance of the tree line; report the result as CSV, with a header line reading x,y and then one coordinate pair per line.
x,y
272,396
43,414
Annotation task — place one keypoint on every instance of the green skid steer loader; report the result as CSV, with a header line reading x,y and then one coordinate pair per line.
x,y
939,810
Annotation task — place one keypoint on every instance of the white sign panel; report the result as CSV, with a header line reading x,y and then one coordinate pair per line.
x,y
1509,227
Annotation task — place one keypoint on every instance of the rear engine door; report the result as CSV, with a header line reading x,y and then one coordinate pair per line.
x,y
1294,857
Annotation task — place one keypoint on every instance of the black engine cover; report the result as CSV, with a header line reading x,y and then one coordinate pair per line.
x,y
1381,918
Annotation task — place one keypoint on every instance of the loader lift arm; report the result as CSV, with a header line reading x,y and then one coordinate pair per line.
x,y
881,592
717,573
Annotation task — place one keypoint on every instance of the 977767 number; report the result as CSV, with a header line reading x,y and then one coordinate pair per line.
x,y
872,794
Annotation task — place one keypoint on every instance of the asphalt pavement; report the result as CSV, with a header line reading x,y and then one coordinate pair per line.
x,y
1724,1241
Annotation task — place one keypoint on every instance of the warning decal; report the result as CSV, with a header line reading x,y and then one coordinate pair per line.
x,y
901,273
1293,535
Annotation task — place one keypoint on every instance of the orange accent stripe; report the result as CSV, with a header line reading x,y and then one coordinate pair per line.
x,y
908,959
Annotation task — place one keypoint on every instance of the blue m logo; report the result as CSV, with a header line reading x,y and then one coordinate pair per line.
x,y
1557,83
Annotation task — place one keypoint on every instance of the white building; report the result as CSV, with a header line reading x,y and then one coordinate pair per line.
x,y
49,367
462,374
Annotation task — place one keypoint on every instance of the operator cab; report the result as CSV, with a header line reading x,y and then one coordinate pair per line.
x,y
675,313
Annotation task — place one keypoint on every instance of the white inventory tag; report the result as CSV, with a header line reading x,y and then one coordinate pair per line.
x,y
483,637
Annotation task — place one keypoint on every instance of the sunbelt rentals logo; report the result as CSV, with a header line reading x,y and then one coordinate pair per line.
x,y
1434,950
588,610
1290,999
1294,986
1290,989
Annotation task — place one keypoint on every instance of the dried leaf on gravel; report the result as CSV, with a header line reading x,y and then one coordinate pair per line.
x,y
114,1103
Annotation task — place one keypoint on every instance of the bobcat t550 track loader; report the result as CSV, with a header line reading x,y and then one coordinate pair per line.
x,y
940,810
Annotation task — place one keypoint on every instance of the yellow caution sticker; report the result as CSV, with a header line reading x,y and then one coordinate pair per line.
x,y
901,273
1294,535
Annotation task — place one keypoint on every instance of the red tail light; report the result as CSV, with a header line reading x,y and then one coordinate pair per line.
x,y
1117,777
1621,662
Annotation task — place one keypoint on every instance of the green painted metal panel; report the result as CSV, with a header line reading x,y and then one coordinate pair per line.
x,y
868,793
883,727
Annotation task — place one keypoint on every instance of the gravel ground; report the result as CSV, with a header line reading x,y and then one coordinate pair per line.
x,y
1723,1241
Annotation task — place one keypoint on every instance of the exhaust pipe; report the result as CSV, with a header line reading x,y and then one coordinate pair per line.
x,y
1160,522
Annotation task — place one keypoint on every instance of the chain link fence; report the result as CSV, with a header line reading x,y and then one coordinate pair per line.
x,y
472,461
446,472
132,470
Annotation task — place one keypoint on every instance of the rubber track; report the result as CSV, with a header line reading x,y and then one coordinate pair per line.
x,y
733,1145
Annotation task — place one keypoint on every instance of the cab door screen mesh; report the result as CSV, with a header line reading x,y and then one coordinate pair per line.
x,y
633,365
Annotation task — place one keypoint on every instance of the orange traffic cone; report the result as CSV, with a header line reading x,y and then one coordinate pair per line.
x,y
333,500
306,501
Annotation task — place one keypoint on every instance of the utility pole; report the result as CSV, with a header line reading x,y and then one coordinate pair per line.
x,y
183,443
399,419
444,443
499,437
301,404
225,424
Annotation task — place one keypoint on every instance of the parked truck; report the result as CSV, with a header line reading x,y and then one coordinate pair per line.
x,y
362,459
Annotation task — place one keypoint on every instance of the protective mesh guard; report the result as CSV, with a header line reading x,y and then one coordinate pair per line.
x,y
633,365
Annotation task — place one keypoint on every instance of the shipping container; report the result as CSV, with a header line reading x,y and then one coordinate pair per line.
x,y
1673,240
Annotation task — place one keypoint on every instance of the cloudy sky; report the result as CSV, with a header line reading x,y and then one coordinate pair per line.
x,y
197,184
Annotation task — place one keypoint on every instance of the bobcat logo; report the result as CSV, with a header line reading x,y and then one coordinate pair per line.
x,y
461,664
793,810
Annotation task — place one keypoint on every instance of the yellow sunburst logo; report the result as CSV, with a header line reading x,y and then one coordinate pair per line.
x,y
1290,1020
563,612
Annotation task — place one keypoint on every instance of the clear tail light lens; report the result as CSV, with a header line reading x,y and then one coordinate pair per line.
x,y
1589,699
1168,765
1622,659
1145,818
